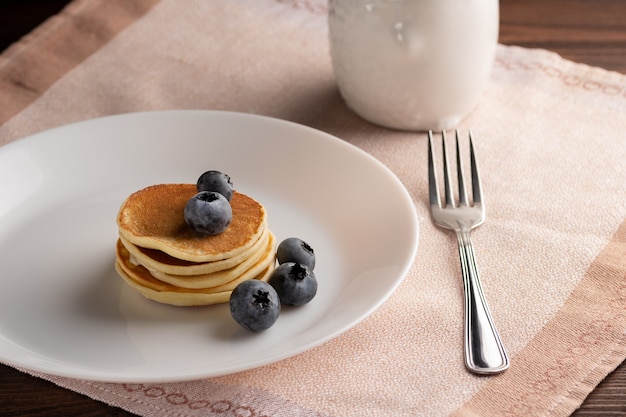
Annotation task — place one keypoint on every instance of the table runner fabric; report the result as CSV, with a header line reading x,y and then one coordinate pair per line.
x,y
548,134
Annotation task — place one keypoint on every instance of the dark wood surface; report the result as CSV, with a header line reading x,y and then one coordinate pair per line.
x,y
586,31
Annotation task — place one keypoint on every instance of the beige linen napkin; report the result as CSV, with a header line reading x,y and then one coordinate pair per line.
x,y
549,136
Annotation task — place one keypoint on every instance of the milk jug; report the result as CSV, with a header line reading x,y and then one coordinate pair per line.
x,y
413,64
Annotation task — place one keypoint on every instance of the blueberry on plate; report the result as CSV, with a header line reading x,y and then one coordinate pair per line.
x,y
208,212
296,250
216,181
294,283
254,305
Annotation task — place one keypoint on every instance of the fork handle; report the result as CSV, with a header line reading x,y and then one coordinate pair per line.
x,y
484,352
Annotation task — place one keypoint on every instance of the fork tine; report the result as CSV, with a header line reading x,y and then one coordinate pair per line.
x,y
449,197
459,171
433,189
477,194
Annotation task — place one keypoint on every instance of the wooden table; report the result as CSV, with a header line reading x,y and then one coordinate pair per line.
x,y
587,31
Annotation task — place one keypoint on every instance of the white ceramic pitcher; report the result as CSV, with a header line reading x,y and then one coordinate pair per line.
x,y
413,64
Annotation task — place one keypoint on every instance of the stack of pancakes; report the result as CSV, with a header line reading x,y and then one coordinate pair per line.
x,y
163,258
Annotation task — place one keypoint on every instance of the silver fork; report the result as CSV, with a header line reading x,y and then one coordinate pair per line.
x,y
484,352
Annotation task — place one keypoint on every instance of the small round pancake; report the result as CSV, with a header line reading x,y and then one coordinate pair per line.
x,y
248,269
155,260
154,218
183,299
140,279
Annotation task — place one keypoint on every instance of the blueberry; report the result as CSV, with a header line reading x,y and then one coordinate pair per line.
x,y
216,181
294,283
296,250
254,305
208,212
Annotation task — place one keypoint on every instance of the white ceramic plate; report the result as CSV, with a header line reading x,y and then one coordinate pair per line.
x,y
63,309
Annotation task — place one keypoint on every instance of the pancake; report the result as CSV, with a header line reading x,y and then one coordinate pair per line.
x,y
156,260
153,218
247,269
182,298
141,280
